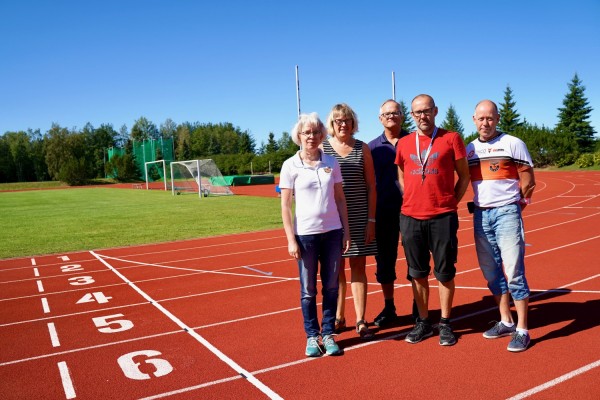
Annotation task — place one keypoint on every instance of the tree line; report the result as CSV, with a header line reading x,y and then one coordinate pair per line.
x,y
77,156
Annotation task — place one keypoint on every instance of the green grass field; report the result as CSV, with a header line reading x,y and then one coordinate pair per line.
x,y
50,221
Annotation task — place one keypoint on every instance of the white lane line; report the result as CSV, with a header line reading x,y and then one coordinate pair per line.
x,y
53,335
67,383
556,381
251,378
36,272
33,261
64,258
40,286
259,271
45,305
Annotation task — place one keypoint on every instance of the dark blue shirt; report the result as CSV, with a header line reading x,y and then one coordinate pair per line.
x,y
389,197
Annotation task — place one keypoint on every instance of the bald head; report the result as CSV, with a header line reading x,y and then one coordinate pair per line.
x,y
486,118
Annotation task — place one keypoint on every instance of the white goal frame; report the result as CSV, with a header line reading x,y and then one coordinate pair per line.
x,y
164,172
204,188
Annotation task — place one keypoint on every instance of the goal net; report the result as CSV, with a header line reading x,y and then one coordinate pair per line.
x,y
198,176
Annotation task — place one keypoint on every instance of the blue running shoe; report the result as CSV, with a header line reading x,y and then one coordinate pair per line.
x,y
331,347
312,347
499,330
519,342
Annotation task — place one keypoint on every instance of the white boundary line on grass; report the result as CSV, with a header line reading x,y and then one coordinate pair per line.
x,y
236,367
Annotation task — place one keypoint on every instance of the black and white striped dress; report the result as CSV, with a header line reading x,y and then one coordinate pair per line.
x,y
357,202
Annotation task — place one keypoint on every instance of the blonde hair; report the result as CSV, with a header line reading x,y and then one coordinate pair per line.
x,y
341,110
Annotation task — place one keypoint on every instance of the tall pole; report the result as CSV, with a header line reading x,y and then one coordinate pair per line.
x,y
298,91
393,85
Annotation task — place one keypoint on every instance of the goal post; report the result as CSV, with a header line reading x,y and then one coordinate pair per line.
x,y
153,173
198,176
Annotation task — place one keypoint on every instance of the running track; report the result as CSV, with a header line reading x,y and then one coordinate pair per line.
x,y
219,318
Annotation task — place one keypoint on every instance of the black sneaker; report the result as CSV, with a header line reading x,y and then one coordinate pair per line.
x,y
386,317
447,337
421,331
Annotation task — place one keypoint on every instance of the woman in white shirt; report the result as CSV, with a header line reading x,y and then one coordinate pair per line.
x,y
317,230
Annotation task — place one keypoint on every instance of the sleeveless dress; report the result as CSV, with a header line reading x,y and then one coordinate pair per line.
x,y
357,202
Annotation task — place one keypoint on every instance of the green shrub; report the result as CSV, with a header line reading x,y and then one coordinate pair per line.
x,y
567,159
597,158
585,160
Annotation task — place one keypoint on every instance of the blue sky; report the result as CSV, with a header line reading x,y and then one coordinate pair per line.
x,y
73,62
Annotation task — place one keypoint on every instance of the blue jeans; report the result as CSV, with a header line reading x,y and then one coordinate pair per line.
x,y
326,248
499,239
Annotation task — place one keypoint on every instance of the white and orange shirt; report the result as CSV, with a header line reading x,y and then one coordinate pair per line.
x,y
495,167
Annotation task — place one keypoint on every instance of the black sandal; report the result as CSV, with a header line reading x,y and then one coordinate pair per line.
x,y
363,330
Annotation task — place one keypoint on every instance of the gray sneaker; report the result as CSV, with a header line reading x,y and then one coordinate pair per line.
x,y
312,347
499,330
421,331
331,347
519,342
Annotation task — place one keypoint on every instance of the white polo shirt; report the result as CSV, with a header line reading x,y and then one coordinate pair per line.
x,y
314,194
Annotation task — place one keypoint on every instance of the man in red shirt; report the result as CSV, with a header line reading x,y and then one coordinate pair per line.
x,y
427,160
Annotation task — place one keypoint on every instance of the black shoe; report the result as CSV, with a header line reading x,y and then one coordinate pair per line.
x,y
421,331
447,337
385,318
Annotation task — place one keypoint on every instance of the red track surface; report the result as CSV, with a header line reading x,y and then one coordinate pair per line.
x,y
219,318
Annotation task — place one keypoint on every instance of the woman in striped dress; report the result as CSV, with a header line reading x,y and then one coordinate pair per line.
x,y
358,173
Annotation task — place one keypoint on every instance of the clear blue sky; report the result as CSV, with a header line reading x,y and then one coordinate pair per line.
x,y
73,62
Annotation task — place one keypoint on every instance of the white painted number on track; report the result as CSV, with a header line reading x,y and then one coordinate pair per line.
x,y
81,280
132,369
104,325
71,268
95,296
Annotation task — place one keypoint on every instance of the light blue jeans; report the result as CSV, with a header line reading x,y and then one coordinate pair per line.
x,y
326,248
499,239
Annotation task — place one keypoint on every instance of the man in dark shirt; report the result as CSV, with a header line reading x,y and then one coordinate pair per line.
x,y
389,200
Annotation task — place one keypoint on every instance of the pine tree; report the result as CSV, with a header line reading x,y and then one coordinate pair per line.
x,y
452,121
408,124
573,117
509,117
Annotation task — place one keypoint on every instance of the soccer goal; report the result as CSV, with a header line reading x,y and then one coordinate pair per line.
x,y
198,176
155,171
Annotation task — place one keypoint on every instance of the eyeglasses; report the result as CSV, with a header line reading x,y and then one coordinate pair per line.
x,y
391,114
340,122
311,134
420,113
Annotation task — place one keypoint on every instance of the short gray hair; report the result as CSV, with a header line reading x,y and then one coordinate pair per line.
x,y
311,119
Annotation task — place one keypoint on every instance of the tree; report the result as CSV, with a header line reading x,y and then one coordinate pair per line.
x,y
509,117
122,137
408,124
246,143
452,121
573,117
56,150
272,146
168,128
143,129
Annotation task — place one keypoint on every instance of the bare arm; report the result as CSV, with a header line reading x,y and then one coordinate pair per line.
x,y
371,192
288,222
340,201
527,184
461,167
